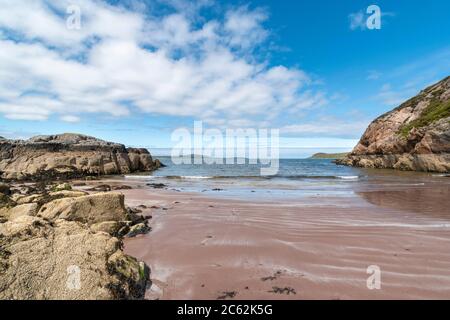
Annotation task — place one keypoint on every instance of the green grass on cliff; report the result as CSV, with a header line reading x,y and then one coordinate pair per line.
x,y
436,110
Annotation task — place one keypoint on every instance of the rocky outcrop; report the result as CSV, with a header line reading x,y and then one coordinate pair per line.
x,y
88,209
65,261
67,245
414,136
69,156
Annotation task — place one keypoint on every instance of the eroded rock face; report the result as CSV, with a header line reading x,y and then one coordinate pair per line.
x,y
415,136
67,245
69,156
65,261
89,209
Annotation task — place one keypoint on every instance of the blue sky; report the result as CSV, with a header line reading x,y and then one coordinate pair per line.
x,y
137,70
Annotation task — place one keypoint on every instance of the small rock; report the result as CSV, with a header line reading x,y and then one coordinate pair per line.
x,y
157,185
140,228
122,187
28,209
62,187
5,188
110,227
101,188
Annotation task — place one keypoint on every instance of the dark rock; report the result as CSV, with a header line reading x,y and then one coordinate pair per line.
x,y
140,228
157,185
5,188
121,187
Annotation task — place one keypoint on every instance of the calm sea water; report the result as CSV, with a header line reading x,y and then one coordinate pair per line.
x,y
295,178
245,180
288,169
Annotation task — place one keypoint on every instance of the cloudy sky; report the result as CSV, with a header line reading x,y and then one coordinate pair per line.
x,y
136,70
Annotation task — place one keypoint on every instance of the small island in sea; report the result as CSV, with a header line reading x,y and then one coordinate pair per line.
x,y
322,155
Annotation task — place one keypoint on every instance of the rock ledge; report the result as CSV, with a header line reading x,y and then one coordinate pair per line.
x,y
69,155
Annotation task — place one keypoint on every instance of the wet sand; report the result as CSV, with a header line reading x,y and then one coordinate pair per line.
x,y
204,247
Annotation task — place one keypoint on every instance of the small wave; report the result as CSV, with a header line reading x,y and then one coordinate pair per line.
x,y
189,177
212,177
250,177
348,177
138,177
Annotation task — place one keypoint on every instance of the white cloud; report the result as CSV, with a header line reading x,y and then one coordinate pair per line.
x,y
328,126
391,97
122,61
244,27
373,75
70,118
357,20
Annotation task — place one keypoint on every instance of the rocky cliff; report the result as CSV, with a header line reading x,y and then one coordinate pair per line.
x,y
69,156
414,136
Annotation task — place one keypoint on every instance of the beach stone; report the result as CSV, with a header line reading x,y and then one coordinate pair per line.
x,y
62,187
28,209
121,187
22,199
110,227
140,228
68,194
89,209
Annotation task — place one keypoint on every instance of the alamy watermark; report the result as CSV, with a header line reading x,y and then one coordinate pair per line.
x,y
73,21
373,22
231,146
73,281
374,280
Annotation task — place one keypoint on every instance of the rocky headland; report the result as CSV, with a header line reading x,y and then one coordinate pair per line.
x,y
322,155
414,136
67,156
60,242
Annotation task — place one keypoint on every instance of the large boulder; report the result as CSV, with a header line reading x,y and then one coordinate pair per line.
x,y
414,136
27,209
90,209
69,156
65,260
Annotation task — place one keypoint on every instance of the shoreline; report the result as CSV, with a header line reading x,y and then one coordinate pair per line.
x,y
205,247
214,245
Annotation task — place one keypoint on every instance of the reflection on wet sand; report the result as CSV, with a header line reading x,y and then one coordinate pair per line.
x,y
317,246
432,202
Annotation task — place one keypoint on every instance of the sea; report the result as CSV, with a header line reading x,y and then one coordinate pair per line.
x,y
295,178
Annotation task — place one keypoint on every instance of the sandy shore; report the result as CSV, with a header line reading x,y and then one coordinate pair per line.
x,y
315,248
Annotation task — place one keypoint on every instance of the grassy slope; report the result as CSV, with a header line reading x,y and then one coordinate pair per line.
x,y
436,110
